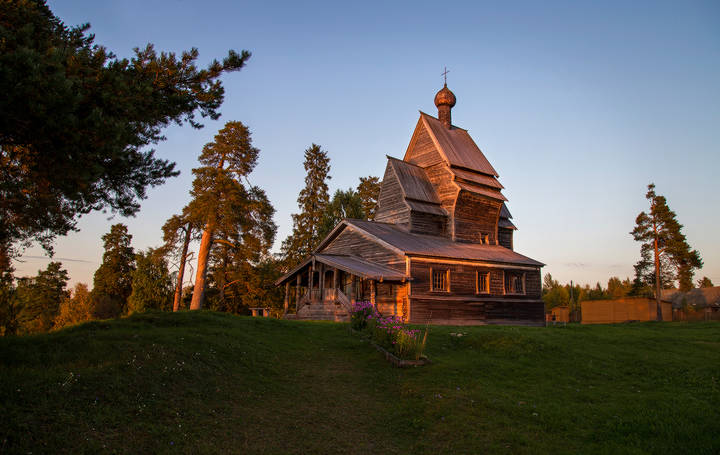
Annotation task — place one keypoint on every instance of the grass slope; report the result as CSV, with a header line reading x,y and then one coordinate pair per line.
x,y
214,383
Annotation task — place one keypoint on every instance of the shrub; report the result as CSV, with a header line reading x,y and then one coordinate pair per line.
x,y
360,314
389,332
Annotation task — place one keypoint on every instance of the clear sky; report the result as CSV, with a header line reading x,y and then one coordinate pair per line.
x,y
578,106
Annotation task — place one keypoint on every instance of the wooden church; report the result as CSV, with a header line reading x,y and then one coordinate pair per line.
x,y
440,249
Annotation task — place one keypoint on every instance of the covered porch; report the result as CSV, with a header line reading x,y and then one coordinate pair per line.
x,y
326,286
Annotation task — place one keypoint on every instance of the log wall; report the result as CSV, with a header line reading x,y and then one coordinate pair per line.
x,y
475,214
351,242
391,207
505,238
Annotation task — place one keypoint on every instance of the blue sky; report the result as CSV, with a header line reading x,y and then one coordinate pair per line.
x,y
578,105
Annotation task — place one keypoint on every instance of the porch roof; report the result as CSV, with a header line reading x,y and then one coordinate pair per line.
x,y
350,264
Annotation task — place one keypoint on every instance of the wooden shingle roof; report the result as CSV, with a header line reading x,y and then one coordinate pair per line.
x,y
418,192
438,247
457,146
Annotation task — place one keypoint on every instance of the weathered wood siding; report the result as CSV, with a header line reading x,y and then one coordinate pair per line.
x,y
350,242
422,150
428,223
462,305
391,206
475,214
505,238
462,279
391,299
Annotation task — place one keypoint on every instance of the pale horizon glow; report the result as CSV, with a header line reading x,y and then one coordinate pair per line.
x,y
578,106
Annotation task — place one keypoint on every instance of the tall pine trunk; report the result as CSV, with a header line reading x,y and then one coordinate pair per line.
x,y
657,277
198,298
181,271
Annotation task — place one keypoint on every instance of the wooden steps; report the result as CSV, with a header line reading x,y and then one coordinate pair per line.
x,y
320,311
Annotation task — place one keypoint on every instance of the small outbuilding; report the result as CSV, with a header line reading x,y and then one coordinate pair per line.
x,y
623,310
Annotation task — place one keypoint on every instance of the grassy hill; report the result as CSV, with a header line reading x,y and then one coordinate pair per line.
x,y
214,383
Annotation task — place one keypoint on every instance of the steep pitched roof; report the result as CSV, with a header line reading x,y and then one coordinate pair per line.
x,y
505,216
433,246
457,146
417,190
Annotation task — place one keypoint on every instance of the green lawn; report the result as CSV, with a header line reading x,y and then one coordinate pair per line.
x,y
214,383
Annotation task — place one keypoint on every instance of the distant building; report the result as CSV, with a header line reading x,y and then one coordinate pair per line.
x,y
558,314
623,310
440,249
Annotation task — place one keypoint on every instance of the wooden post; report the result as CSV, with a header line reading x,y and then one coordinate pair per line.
x,y
372,292
353,286
335,276
297,292
322,282
287,296
311,271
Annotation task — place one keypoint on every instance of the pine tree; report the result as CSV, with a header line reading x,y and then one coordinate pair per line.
x,y
40,298
75,120
236,216
178,231
151,283
9,307
663,248
312,202
705,282
368,190
112,283
344,204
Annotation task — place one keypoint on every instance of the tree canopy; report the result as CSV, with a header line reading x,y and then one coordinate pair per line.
x,y
39,298
368,191
665,254
112,283
151,283
236,215
75,121
344,204
312,201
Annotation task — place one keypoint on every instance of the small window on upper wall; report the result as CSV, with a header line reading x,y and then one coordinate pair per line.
x,y
483,283
514,282
440,280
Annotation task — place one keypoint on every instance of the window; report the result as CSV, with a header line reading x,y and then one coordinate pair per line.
x,y
514,283
482,285
440,280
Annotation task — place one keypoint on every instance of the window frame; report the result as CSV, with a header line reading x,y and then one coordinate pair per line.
x,y
446,279
506,284
477,281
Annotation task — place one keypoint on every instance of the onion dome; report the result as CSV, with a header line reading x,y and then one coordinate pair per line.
x,y
445,97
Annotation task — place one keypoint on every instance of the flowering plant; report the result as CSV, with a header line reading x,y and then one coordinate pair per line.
x,y
389,332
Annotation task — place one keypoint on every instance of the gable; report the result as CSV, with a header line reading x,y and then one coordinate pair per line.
x,y
391,205
352,242
422,150
457,147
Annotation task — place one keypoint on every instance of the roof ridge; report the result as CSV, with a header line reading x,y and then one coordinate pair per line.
x,y
404,162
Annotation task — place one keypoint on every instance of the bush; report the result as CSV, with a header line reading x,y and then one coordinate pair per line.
x,y
388,332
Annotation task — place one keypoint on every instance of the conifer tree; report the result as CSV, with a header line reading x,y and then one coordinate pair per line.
x,y
75,121
368,190
40,298
151,283
705,282
344,204
178,231
312,201
233,214
112,283
663,247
